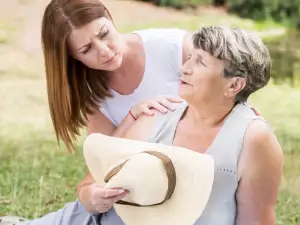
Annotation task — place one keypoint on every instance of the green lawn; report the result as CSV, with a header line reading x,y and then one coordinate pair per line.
x,y
37,177
279,107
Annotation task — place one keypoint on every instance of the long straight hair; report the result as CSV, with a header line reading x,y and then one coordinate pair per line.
x,y
74,90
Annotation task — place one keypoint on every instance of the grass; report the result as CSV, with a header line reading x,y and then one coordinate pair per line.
x,y
277,104
36,177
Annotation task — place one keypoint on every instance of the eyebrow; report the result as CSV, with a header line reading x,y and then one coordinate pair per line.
x,y
86,45
199,57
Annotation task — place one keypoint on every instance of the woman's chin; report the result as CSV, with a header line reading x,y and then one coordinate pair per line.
x,y
113,65
184,94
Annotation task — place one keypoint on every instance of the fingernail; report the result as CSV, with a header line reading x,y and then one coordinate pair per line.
x,y
121,190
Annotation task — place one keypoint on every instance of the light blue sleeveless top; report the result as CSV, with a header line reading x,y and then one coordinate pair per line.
x,y
225,149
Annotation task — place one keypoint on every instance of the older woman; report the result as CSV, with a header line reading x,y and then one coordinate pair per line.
x,y
224,68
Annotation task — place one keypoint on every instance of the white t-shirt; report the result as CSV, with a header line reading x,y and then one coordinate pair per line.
x,y
163,53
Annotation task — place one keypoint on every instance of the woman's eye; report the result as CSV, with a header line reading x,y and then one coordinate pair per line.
x,y
200,62
86,50
103,33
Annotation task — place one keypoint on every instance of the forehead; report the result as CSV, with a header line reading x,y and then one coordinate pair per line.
x,y
207,58
201,53
81,36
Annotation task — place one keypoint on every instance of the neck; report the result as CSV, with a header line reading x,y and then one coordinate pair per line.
x,y
124,74
131,50
209,114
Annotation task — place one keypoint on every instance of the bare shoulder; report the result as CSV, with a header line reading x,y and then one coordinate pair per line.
x,y
259,171
260,134
142,128
261,147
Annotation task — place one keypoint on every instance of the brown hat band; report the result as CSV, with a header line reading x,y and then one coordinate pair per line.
x,y
170,172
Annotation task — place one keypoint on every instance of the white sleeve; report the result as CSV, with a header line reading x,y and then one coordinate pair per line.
x,y
104,109
173,42
171,35
175,37
167,44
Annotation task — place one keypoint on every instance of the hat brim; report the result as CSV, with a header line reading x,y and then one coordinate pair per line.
x,y
194,179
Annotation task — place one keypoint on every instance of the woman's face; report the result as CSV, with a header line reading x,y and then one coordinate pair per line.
x,y
98,45
201,78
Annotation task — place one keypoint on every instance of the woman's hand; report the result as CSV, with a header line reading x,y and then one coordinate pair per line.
x,y
99,200
160,103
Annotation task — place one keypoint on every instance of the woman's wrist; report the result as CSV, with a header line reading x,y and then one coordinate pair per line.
x,y
132,115
84,195
83,192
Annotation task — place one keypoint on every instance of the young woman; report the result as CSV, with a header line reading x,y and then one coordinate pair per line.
x,y
101,79
95,74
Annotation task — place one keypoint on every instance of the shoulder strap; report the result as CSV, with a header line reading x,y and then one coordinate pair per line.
x,y
228,144
166,124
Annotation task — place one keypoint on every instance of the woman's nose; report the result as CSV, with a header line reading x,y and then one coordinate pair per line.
x,y
103,49
186,70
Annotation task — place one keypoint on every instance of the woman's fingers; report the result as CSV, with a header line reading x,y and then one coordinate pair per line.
x,y
118,198
106,193
167,104
108,202
174,99
158,106
160,103
146,109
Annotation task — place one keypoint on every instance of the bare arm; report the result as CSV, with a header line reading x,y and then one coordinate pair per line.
x,y
133,131
260,169
98,123
142,128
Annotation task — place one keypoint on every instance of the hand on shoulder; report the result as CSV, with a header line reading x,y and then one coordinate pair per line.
x,y
145,115
161,103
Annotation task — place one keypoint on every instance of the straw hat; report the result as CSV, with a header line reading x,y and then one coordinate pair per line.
x,y
168,185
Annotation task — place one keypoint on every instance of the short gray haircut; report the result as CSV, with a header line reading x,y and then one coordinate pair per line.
x,y
243,52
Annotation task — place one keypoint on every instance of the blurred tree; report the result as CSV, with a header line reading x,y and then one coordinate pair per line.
x,y
219,2
180,3
285,11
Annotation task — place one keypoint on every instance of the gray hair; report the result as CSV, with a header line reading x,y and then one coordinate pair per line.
x,y
243,52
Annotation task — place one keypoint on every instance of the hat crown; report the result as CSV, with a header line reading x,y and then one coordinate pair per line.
x,y
144,176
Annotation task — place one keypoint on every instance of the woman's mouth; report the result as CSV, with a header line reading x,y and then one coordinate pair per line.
x,y
111,59
184,83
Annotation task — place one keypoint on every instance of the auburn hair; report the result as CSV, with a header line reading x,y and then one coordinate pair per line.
x,y
74,90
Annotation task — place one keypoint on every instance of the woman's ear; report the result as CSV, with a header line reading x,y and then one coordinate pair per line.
x,y
235,85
